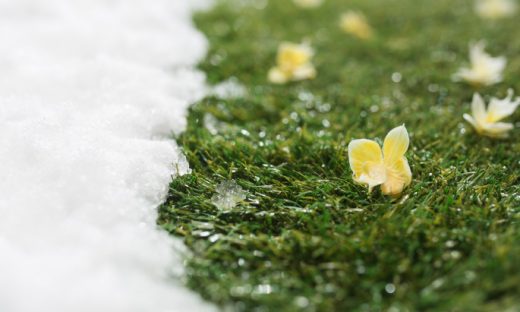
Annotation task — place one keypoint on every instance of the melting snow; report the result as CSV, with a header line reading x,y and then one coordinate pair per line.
x,y
90,91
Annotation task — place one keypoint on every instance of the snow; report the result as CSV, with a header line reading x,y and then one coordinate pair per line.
x,y
90,92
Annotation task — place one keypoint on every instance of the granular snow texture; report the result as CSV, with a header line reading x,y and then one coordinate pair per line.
x,y
90,92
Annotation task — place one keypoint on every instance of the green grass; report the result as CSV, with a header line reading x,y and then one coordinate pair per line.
x,y
307,237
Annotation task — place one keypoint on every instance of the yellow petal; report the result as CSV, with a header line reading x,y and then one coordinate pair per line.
x,y
291,56
398,176
366,162
356,24
304,72
395,145
277,76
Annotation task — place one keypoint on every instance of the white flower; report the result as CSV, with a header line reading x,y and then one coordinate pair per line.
x,y
355,23
495,9
485,70
293,63
486,122
308,3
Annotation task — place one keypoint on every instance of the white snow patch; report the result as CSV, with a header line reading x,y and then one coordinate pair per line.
x,y
90,91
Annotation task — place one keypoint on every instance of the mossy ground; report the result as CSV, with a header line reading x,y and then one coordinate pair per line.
x,y
307,237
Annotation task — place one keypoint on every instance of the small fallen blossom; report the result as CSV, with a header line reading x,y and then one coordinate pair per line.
x,y
293,63
389,167
495,9
355,23
485,70
308,3
486,122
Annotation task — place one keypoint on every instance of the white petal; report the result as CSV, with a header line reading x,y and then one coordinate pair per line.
x,y
499,109
478,108
497,130
471,120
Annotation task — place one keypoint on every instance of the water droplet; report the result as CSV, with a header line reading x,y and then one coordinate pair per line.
x,y
390,288
397,77
325,123
456,254
438,283
433,88
301,302
214,238
450,244
263,289
211,123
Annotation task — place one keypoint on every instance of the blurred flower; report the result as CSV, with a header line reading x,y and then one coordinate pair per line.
x,y
495,9
486,122
308,3
356,24
388,168
293,63
485,70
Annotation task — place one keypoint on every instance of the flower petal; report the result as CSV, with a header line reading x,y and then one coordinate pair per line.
x,y
304,72
395,145
277,76
478,108
398,177
366,161
472,121
499,109
497,129
291,56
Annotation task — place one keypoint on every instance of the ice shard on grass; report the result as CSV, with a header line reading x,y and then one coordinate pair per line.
x,y
388,167
487,121
228,195
293,63
484,70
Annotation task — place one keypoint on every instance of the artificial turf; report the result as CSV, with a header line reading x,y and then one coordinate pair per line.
x,y
307,237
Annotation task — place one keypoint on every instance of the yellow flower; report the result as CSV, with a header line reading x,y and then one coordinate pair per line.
x,y
293,63
485,70
356,24
308,3
486,122
388,167
495,9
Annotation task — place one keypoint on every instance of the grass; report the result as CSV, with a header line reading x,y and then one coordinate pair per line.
x,y
309,239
